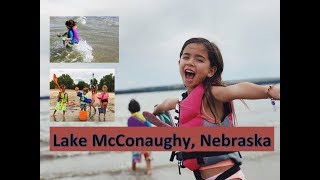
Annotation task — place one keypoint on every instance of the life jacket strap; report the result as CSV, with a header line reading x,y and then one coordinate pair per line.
x,y
180,162
181,156
229,172
197,174
173,153
192,155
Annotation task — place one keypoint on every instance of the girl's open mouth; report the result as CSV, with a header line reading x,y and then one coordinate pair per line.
x,y
189,74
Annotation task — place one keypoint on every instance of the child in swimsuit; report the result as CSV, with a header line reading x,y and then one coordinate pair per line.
x,y
103,97
134,108
94,90
72,37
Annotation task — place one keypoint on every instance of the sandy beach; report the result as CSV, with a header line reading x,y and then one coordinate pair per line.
x,y
72,112
97,165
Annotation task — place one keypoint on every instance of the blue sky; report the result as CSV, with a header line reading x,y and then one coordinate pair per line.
x,y
152,33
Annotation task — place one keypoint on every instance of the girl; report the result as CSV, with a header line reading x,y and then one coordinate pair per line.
x,y
62,101
134,108
103,96
208,102
72,34
94,90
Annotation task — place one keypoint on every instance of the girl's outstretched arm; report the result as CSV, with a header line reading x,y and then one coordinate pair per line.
x,y
166,105
245,90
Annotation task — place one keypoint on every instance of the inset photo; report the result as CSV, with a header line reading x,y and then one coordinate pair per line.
x,y
78,95
75,39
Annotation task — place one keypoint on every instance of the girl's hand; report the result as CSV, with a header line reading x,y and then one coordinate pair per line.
x,y
154,110
274,92
58,34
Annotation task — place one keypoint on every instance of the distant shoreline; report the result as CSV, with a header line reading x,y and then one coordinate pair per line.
x,y
259,81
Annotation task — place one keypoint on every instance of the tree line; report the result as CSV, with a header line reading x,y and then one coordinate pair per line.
x,y
66,80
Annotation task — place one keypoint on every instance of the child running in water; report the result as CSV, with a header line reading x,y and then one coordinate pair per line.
x,y
208,102
134,108
103,97
72,34
62,101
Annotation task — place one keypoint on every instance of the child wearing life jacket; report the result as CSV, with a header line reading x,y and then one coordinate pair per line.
x,y
208,103
94,90
134,108
83,99
103,97
72,34
62,101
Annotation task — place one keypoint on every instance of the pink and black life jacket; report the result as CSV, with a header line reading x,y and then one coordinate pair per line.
x,y
103,97
188,114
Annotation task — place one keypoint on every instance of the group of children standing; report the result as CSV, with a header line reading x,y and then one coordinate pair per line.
x,y
85,100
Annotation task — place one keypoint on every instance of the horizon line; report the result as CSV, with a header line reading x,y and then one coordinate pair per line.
x,y
259,81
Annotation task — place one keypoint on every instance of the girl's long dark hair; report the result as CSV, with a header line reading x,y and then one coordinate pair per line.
x,y
70,23
215,59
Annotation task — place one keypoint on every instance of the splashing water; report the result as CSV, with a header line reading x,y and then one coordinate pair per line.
x,y
82,52
99,40
85,50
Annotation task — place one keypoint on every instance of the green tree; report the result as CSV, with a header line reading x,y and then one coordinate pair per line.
x,y
82,84
52,85
107,80
66,80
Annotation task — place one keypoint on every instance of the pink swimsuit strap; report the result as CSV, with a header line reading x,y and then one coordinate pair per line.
x,y
205,115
